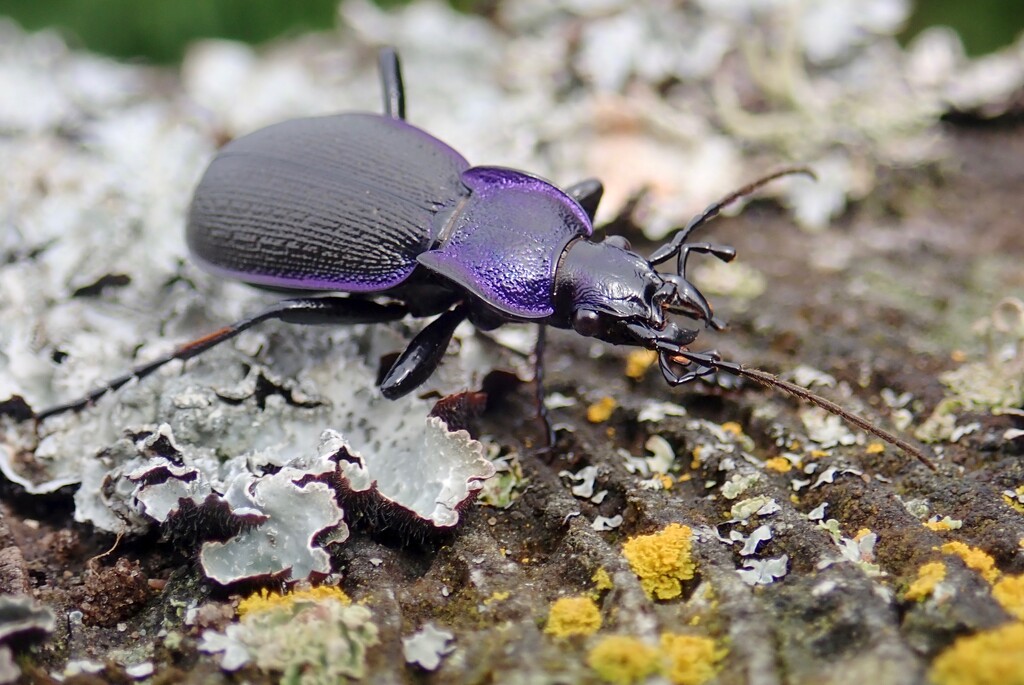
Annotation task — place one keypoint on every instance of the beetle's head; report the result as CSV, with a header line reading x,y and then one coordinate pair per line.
x,y
607,291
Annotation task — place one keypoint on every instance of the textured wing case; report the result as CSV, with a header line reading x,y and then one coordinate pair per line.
x,y
342,203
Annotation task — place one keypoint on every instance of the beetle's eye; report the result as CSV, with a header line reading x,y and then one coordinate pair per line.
x,y
586,322
618,241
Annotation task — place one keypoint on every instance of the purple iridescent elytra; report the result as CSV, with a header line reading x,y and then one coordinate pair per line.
x,y
354,202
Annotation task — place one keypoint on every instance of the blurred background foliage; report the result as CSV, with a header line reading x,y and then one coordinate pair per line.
x,y
159,30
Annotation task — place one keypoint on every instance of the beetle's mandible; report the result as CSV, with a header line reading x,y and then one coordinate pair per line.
x,y
375,208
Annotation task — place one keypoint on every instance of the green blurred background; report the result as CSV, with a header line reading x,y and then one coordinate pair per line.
x,y
158,30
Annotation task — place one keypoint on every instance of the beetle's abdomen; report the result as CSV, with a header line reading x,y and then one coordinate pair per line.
x,y
342,203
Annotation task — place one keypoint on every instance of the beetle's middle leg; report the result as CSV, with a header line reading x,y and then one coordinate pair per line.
x,y
419,360
538,385
304,310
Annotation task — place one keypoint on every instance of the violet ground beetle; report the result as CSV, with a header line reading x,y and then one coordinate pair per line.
x,y
370,206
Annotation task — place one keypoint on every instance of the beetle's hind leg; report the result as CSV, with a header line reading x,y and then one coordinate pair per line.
x,y
391,83
304,310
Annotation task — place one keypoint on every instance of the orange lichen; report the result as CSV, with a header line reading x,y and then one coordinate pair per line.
x,y
928,576
974,558
573,616
690,659
602,410
638,362
992,657
623,660
861,534
662,560
875,448
264,600
779,465
1009,592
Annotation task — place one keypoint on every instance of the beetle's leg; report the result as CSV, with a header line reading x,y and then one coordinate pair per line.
x,y
538,383
674,378
391,83
588,194
419,360
306,310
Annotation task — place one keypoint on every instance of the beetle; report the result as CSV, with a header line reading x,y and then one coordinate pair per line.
x,y
372,207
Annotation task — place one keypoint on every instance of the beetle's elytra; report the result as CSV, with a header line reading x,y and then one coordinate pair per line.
x,y
372,207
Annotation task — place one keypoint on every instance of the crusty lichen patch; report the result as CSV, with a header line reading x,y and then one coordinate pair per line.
x,y
266,600
975,559
307,638
623,660
681,659
992,657
662,560
690,659
928,576
1009,592
602,410
570,616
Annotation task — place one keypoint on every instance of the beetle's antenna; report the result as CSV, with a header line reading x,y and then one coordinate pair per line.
x,y
676,245
714,208
772,381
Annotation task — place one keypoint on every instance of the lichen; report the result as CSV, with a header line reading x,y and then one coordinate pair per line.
x,y
928,576
602,580
975,559
602,410
623,660
992,657
1009,592
265,600
638,362
690,659
779,465
570,616
309,639
662,560
943,524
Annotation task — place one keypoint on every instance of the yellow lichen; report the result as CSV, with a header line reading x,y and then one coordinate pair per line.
x,y
638,362
1015,498
1009,592
661,560
875,448
974,558
264,600
623,660
779,465
602,581
689,659
601,411
928,576
497,596
732,427
573,616
993,657
943,524
861,534
819,454
665,480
